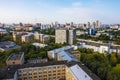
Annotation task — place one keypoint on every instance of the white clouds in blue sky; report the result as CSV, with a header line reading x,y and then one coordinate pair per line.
x,y
107,11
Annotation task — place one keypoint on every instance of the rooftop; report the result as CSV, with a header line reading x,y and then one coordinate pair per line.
x,y
39,44
7,72
67,56
61,49
7,45
79,73
101,44
16,56
3,30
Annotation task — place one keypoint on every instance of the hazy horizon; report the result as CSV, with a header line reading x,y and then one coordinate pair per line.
x,y
47,11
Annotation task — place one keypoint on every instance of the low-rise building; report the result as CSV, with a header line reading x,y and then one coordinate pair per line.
x,y
8,45
3,31
76,54
27,38
45,38
58,70
26,27
39,45
17,35
101,47
53,53
41,37
37,60
64,55
15,59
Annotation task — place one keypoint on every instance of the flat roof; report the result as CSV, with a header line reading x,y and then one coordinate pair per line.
x,y
97,44
7,45
16,56
39,44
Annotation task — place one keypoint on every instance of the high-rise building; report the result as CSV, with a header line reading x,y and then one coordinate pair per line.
x,y
61,36
88,25
71,36
97,24
94,25
65,35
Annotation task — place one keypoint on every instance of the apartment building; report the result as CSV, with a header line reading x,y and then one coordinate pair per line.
x,y
15,59
26,27
41,37
61,36
65,35
58,70
17,35
27,38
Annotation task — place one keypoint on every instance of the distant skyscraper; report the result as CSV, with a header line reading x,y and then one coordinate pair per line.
x,y
72,24
94,25
97,24
88,25
65,36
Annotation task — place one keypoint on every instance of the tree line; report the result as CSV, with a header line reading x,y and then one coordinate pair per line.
x,y
106,66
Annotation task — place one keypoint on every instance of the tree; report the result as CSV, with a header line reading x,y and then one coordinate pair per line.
x,y
113,60
116,72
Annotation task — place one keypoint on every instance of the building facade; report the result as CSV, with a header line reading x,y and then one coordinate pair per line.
x,y
61,36
58,70
65,36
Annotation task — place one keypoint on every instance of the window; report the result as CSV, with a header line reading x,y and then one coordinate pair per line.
x,y
13,62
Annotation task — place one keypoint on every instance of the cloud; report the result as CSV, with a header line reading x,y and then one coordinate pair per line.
x,y
76,12
80,11
76,4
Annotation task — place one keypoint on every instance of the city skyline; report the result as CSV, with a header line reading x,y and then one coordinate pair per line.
x,y
47,11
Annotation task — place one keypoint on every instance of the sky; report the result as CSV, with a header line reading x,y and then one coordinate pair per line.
x,y
47,11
